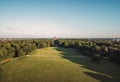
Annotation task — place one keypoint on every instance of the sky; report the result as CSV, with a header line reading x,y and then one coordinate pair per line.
x,y
60,18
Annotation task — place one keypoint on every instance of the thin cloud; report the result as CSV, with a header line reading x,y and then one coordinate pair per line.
x,y
11,28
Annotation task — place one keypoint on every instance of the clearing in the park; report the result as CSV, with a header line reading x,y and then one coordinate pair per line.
x,y
55,64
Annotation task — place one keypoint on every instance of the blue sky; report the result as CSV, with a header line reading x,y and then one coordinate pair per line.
x,y
61,18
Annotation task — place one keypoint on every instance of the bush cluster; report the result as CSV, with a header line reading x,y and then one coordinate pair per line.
x,y
105,48
16,48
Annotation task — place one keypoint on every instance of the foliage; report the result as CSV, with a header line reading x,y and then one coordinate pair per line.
x,y
16,48
96,58
106,48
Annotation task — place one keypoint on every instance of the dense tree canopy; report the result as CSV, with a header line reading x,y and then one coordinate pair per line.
x,y
105,48
89,47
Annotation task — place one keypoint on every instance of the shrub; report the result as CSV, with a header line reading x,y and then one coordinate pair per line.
x,y
96,58
66,44
20,53
1,55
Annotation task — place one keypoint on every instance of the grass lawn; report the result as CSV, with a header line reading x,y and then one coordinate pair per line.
x,y
55,64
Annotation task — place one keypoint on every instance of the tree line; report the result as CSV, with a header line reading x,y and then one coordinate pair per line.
x,y
16,48
97,49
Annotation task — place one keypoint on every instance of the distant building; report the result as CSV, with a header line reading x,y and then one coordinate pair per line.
x,y
117,40
55,38
56,42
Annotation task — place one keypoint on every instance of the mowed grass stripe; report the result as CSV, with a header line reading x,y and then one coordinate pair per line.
x,y
57,65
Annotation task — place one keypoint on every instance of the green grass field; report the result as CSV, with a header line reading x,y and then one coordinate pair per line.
x,y
55,64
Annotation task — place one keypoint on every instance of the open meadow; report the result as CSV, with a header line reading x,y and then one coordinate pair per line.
x,y
56,64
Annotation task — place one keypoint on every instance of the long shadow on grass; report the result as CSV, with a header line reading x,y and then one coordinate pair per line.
x,y
104,72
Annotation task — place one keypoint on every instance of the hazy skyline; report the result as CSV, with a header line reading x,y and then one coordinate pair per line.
x,y
61,18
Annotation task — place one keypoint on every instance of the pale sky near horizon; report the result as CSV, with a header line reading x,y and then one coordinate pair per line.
x,y
60,18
